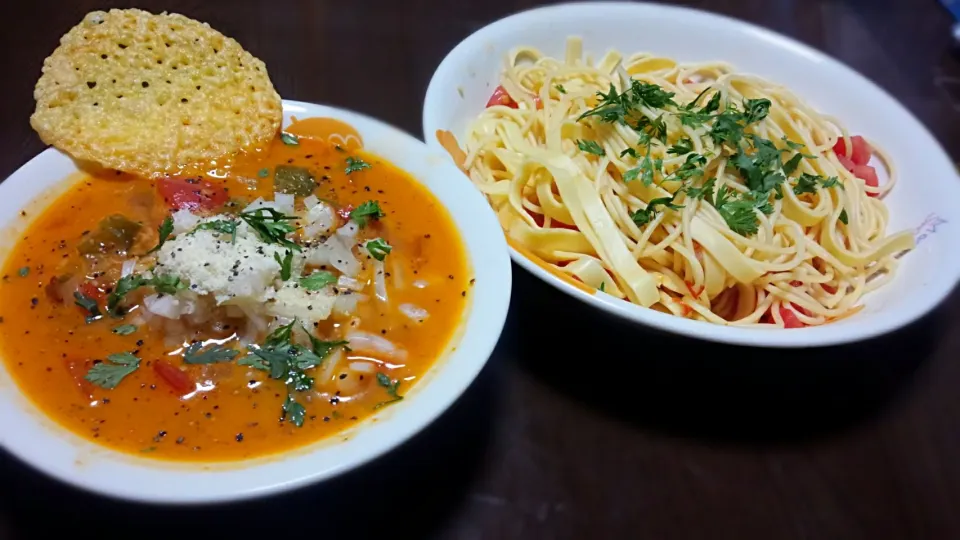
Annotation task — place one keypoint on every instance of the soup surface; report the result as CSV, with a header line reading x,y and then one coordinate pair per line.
x,y
138,349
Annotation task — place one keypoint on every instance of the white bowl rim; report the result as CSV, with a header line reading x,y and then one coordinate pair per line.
x,y
40,442
825,335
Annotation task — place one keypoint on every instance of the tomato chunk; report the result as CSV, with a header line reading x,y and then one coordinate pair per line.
x,y
845,161
175,378
868,174
790,319
501,97
859,154
191,194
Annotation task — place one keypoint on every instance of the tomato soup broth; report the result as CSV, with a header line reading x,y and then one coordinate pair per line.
x,y
51,338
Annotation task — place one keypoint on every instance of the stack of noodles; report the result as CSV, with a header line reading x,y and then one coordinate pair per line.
x,y
806,255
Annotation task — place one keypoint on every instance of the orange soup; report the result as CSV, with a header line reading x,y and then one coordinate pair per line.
x,y
265,304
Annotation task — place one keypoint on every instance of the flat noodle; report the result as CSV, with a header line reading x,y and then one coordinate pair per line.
x,y
813,256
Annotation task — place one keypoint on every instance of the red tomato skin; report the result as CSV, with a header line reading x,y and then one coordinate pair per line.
x,y
790,319
176,379
868,174
861,151
845,161
501,97
191,194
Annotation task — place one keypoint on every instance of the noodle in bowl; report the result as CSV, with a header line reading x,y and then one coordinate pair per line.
x,y
698,182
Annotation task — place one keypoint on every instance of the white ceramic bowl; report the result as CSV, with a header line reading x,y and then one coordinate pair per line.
x,y
927,199
38,441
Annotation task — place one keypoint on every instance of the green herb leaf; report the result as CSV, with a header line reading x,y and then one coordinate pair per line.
x,y
391,387
630,152
681,147
317,280
560,88
88,304
289,139
756,110
602,286
196,353
378,249
167,284
591,147
222,226
164,230
355,164
790,144
271,226
646,215
263,173
843,217
293,411
624,108
108,374
807,183
366,210
24,271
286,264
739,212
704,192
124,329
283,334
792,164
833,181
323,348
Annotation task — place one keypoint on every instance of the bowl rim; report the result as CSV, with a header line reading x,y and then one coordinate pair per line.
x,y
818,336
40,442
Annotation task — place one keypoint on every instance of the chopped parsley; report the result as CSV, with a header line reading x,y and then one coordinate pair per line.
x,y
196,353
624,108
89,305
560,88
392,386
124,329
167,284
286,264
367,210
378,249
355,164
591,147
109,373
289,139
263,173
843,217
646,215
222,226
24,271
318,280
271,226
681,147
164,230
287,361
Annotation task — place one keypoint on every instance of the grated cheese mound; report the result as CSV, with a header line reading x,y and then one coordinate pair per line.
x,y
149,94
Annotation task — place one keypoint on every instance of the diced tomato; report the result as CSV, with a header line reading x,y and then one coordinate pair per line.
x,y
537,102
78,370
796,283
175,378
191,194
790,319
829,288
845,161
90,290
695,291
861,151
501,97
868,174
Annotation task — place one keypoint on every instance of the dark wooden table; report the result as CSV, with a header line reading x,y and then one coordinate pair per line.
x,y
583,428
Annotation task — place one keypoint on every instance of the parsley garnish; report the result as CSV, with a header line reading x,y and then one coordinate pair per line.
x,y
24,271
602,285
196,353
289,139
591,147
704,192
124,329
286,264
366,210
624,108
108,374
88,304
843,217
646,215
263,173
318,280
738,212
223,226
681,147
164,230
391,387
355,165
378,249
271,226
167,284
560,88
285,360
807,183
